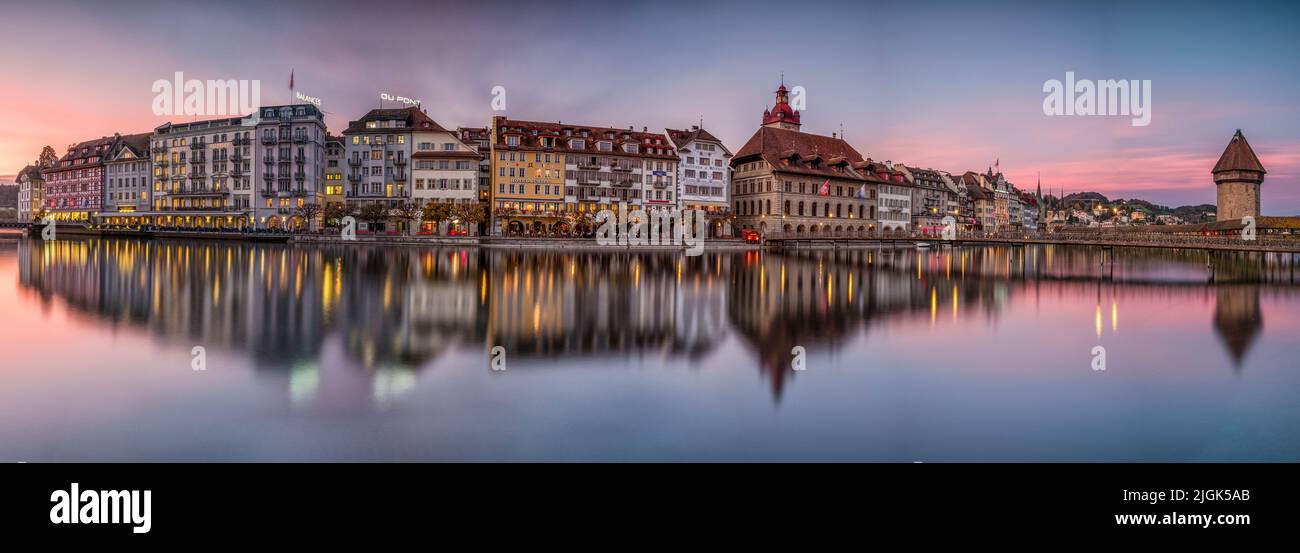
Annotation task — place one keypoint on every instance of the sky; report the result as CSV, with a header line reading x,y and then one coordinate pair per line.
x,y
955,86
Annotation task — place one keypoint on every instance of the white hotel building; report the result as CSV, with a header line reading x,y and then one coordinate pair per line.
x,y
240,172
703,175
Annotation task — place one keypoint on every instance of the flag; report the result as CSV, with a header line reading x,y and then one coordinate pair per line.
x,y
826,188
290,79
862,192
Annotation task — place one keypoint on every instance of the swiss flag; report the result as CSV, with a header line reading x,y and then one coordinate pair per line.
x,y
826,188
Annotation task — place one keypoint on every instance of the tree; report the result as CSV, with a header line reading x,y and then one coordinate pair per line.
x,y
48,157
436,213
335,212
411,212
309,213
374,213
473,215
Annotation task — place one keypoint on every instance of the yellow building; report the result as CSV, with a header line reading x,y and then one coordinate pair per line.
x,y
527,192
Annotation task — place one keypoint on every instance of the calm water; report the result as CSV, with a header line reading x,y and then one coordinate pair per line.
x,y
373,353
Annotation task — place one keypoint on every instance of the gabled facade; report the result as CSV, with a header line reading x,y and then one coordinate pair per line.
x,y
74,186
703,175
128,182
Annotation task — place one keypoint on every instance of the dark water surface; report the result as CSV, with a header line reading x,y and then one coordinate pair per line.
x,y
382,353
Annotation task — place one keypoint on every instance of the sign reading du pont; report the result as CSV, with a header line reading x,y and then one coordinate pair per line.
x,y
399,99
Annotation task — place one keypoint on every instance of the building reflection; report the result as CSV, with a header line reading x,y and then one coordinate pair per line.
x,y
351,325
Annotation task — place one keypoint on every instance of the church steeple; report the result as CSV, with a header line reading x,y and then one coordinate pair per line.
x,y
782,115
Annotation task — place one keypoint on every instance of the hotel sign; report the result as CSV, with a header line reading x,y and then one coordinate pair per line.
x,y
399,99
308,99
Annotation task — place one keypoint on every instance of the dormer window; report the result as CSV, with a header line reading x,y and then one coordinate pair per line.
x,y
605,146
631,148
512,140
577,144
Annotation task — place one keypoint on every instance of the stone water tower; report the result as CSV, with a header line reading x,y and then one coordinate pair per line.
x,y
1237,176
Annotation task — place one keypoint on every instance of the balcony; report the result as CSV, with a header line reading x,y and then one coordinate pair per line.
x,y
620,169
240,141
300,138
268,139
354,178
589,165
299,176
159,149
237,156
354,162
623,183
198,145
399,178
660,183
399,161
161,162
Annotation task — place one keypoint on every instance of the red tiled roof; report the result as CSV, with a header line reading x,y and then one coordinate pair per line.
x,y
1238,156
779,148
649,144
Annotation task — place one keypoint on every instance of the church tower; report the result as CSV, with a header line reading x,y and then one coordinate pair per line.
x,y
782,116
1237,177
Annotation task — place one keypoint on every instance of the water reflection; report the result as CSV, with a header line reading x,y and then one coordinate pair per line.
x,y
394,310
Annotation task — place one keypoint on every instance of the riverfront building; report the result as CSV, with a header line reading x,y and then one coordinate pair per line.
x,y
74,187
929,198
31,193
552,178
789,183
291,152
895,201
202,175
128,178
378,150
703,176
445,171
335,158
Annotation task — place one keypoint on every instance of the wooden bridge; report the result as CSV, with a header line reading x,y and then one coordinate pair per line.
x,y
1262,243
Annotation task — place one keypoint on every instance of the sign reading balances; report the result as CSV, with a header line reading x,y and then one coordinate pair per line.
x,y
399,99
308,99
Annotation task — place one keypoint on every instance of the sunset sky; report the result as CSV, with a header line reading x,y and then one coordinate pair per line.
x,y
954,86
